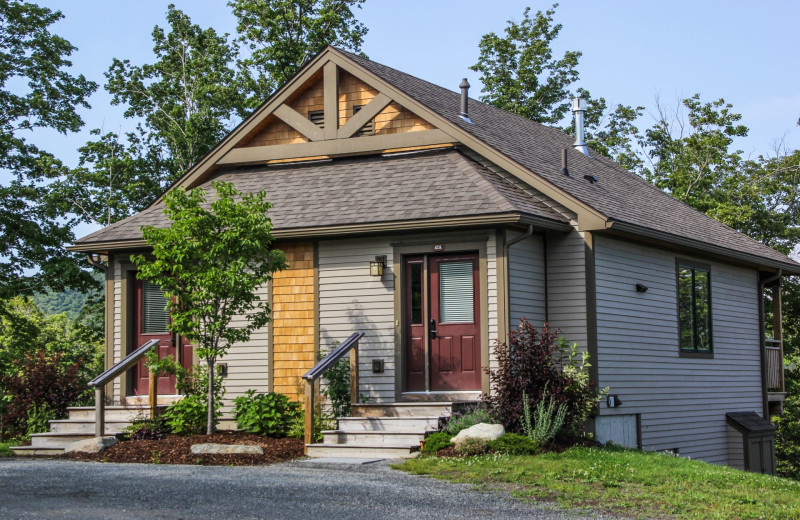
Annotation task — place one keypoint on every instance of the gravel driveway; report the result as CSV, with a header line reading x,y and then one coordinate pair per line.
x,y
80,490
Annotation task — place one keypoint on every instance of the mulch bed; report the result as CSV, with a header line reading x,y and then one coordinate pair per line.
x,y
177,449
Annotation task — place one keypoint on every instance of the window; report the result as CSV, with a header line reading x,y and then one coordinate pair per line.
x,y
694,308
455,292
155,316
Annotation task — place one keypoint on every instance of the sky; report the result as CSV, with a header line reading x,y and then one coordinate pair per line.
x,y
633,51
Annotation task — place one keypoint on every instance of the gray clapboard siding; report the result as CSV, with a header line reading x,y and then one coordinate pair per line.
x,y
117,327
566,285
248,363
682,401
526,287
350,300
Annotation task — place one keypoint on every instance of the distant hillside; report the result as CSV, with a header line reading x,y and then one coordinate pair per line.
x,y
70,301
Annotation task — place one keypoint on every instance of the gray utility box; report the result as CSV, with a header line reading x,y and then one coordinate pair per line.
x,y
758,435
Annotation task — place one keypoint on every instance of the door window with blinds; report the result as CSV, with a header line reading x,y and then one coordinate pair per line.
x,y
155,317
456,303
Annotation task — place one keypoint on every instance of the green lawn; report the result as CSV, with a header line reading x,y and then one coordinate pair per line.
x,y
630,483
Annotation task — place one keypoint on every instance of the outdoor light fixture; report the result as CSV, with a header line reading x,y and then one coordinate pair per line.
x,y
641,288
376,267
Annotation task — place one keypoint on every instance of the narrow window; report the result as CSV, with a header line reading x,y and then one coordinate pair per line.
x,y
317,117
694,308
416,292
155,316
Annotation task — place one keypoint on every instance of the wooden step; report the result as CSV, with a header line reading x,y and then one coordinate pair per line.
x,y
361,452
86,426
59,440
372,438
30,451
421,409
388,424
112,413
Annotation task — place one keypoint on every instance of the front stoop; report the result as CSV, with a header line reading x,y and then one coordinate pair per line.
x,y
79,426
385,431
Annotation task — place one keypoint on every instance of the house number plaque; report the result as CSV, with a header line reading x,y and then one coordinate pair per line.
x,y
438,248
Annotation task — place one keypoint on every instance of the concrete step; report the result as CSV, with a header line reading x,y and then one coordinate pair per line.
x,y
143,401
361,452
422,409
30,451
372,438
59,440
112,413
85,426
388,424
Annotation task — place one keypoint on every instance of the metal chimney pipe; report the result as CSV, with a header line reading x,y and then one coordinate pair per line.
x,y
564,169
464,100
579,108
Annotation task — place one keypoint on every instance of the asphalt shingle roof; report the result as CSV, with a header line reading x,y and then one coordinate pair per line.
x,y
363,190
619,194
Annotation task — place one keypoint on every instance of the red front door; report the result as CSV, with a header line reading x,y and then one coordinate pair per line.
x,y
151,322
447,298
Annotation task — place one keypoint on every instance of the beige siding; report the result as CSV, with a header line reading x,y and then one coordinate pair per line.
x,y
526,273
566,285
682,401
491,271
350,300
248,363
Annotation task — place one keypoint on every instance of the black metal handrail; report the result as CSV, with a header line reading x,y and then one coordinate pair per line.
x,y
334,356
123,365
99,384
350,345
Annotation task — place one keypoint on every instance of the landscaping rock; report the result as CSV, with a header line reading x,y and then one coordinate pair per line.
x,y
226,449
482,432
93,445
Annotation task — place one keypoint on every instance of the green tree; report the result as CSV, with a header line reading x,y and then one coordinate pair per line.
x,y
209,263
519,72
186,98
36,91
521,75
281,34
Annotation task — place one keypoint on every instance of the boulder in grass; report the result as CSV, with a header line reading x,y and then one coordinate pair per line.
x,y
93,445
482,432
226,449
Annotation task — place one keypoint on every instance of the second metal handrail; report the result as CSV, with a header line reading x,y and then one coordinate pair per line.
x,y
350,345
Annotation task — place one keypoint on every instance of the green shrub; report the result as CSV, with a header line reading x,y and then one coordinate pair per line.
x,y
471,446
513,444
38,419
269,414
460,422
5,450
188,416
547,421
787,437
437,441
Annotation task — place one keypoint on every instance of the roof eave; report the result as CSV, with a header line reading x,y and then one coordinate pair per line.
x,y
357,229
623,228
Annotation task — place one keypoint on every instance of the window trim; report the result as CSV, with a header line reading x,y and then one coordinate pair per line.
x,y
693,265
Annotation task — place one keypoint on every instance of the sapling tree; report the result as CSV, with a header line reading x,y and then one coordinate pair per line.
x,y
209,263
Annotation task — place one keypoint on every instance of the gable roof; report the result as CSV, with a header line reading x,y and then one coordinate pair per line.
x,y
631,204
619,202
427,186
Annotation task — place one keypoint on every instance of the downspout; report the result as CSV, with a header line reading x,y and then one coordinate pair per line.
x,y
763,340
507,273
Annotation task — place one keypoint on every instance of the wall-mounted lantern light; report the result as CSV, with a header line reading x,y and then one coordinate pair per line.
x,y
376,267
641,288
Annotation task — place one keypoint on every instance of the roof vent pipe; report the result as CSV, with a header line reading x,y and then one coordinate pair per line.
x,y
579,108
464,100
564,169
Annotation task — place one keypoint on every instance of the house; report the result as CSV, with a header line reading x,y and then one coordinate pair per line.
x,y
476,218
